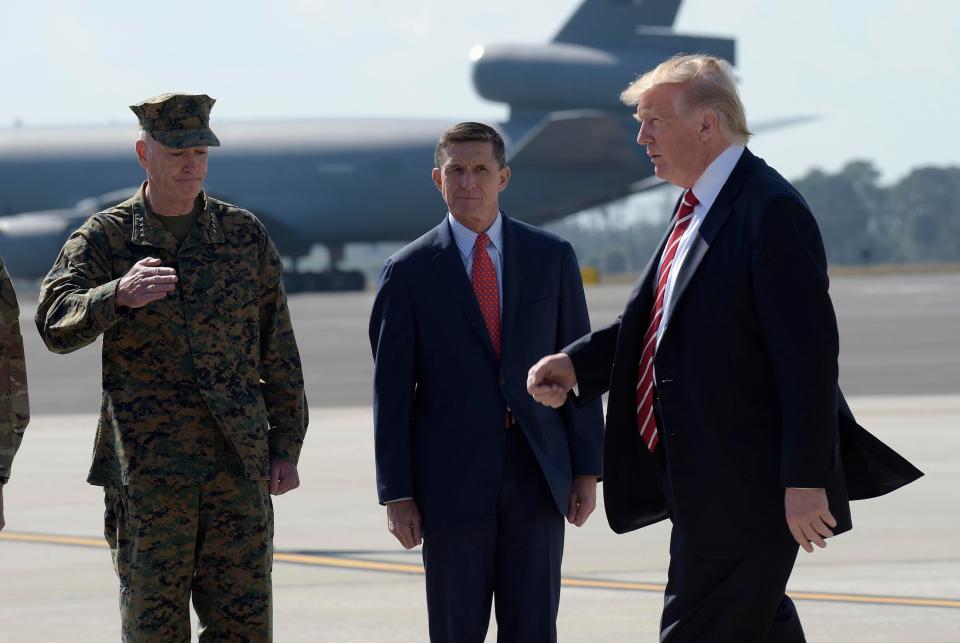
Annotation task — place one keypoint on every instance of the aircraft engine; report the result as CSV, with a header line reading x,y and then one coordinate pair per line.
x,y
558,76
30,241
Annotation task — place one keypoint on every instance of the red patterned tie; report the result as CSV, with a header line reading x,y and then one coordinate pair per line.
x,y
645,419
485,288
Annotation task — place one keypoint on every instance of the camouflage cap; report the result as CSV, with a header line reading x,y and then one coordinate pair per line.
x,y
178,120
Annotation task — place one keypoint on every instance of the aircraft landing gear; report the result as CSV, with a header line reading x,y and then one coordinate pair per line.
x,y
333,279
325,281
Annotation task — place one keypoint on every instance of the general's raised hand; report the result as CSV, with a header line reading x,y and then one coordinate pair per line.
x,y
809,517
550,379
146,281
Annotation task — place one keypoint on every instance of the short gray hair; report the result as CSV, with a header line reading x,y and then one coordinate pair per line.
x,y
708,83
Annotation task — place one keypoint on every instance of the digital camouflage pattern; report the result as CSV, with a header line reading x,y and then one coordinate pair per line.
x,y
217,353
178,120
212,540
14,405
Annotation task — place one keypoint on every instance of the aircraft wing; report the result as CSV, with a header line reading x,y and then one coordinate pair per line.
x,y
780,123
574,137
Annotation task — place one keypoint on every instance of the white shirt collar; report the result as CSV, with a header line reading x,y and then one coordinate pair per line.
x,y
708,186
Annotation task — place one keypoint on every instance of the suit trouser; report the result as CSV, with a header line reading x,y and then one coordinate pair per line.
x,y
726,600
213,540
738,599
513,557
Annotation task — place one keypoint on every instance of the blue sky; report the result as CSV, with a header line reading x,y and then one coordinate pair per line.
x,y
882,74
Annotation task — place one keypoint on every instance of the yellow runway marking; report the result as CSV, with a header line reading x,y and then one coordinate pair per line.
x,y
404,568
47,539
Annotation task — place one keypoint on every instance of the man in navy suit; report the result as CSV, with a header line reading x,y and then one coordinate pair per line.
x,y
724,411
467,463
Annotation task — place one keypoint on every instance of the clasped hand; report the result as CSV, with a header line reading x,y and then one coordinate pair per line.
x,y
403,521
283,477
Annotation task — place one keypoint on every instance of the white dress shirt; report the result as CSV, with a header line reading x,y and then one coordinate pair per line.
x,y
706,189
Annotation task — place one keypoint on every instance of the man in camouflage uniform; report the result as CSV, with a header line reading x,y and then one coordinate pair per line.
x,y
203,410
14,408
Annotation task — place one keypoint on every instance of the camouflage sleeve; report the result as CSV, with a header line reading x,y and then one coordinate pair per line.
x,y
78,295
281,375
14,405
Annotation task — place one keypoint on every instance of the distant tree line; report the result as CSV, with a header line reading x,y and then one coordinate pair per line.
x,y
916,219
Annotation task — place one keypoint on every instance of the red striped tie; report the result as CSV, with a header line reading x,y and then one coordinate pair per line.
x,y
484,279
645,419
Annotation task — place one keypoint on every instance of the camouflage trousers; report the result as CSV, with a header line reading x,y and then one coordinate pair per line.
x,y
213,540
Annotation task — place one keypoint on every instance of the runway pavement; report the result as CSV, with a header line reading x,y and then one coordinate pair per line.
x,y
339,576
898,336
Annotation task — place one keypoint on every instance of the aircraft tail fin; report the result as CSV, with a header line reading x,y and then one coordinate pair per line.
x,y
600,49
613,23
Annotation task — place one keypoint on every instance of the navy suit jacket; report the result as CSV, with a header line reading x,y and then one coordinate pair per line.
x,y
440,393
746,381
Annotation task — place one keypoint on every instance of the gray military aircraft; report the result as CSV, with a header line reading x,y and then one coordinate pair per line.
x,y
568,137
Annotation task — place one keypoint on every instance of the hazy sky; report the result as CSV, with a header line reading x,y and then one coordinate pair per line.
x,y
882,74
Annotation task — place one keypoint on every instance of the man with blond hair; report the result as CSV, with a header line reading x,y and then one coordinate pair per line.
x,y
724,413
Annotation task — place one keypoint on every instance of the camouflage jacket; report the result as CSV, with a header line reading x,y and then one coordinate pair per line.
x,y
14,407
219,345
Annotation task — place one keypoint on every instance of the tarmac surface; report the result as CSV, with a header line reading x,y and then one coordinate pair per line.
x,y
898,336
339,576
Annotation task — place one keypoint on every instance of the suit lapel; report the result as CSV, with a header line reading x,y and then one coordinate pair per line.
x,y
449,264
694,256
512,281
712,223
